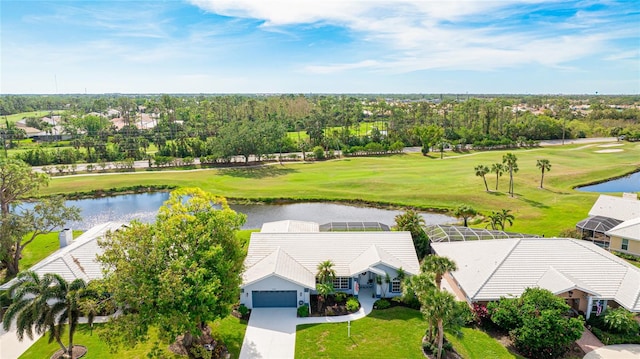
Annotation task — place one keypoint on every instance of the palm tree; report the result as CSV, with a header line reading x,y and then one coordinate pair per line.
x,y
511,162
543,165
47,303
412,221
481,171
495,220
323,289
326,273
438,266
465,212
439,307
506,217
498,169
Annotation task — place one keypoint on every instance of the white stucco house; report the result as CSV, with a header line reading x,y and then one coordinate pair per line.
x,y
76,258
282,261
586,276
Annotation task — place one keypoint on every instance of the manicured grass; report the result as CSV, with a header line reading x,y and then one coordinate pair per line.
x,y
476,344
410,180
391,333
40,248
230,330
37,114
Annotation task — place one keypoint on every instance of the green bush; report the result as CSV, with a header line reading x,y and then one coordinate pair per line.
x,y
613,338
303,311
243,310
620,321
340,297
318,153
353,304
381,304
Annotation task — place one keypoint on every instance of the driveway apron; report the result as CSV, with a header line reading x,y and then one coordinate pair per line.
x,y
271,333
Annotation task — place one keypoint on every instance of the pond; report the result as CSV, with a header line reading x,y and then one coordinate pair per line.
x,y
630,183
144,208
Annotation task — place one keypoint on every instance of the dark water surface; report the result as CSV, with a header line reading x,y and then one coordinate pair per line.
x,y
144,207
630,183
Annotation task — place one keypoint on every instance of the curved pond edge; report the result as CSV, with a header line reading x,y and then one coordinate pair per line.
x,y
576,187
112,192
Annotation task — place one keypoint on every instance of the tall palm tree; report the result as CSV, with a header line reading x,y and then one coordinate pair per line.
x,y
439,306
481,171
511,162
412,221
498,169
47,303
543,165
438,266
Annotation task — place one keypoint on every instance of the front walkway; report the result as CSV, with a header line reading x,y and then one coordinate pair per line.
x,y
271,332
618,351
10,346
588,342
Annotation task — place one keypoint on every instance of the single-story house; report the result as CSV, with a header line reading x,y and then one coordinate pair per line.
x,y
625,237
606,213
588,277
75,258
282,260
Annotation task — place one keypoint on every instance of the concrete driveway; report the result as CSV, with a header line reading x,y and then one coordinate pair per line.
x,y
271,333
619,351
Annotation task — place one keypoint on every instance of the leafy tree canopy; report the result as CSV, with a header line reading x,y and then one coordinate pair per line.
x,y
178,273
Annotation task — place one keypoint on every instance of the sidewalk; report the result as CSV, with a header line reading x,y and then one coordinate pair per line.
x,y
588,342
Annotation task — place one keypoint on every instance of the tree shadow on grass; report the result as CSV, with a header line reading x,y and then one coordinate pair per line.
x,y
534,203
258,172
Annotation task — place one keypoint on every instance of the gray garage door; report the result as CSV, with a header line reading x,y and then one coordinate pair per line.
x,y
274,298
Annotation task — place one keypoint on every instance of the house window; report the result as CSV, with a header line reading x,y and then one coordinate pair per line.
x,y
625,244
395,286
341,283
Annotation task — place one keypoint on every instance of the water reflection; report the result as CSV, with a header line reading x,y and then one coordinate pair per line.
x,y
144,207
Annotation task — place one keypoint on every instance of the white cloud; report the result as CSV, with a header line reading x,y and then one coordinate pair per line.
x,y
424,34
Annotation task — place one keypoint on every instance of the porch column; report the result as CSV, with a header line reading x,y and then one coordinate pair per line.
x,y
589,305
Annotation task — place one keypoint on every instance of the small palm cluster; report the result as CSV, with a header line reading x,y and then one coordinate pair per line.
x,y
46,304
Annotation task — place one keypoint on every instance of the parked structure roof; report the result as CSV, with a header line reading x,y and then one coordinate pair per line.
x,y
488,270
289,226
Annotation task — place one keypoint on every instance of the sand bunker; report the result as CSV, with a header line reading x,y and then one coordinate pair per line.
x,y
612,145
610,151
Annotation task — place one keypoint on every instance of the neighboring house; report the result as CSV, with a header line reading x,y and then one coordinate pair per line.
x,y
625,237
607,213
75,258
282,261
588,277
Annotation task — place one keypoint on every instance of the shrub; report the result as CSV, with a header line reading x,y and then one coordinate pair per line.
x,y
620,321
340,297
613,338
480,313
381,304
318,153
243,310
353,304
303,311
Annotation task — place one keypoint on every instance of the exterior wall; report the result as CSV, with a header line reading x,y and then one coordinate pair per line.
x,y
634,246
450,284
387,287
578,300
272,283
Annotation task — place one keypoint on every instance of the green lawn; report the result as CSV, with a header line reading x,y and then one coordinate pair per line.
x,y
37,114
476,344
410,180
391,333
230,330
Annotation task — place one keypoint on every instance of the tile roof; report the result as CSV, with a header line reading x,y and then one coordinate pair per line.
x,y
628,229
289,226
78,259
620,208
344,249
490,269
280,264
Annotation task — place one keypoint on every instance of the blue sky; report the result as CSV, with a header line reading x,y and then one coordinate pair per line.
x,y
320,46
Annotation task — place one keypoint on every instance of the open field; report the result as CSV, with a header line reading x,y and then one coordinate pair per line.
x,y
409,180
